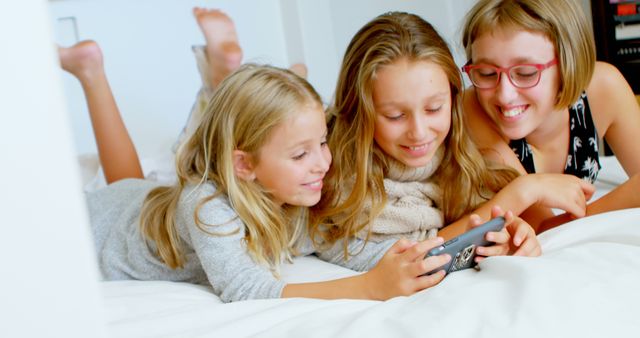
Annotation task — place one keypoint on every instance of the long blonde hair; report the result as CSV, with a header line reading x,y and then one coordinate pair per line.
x,y
563,22
384,40
241,115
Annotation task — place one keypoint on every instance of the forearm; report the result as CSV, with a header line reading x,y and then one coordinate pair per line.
x,y
363,256
355,287
510,198
624,196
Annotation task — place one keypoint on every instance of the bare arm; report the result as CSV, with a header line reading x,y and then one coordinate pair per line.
x,y
624,196
616,114
542,191
399,273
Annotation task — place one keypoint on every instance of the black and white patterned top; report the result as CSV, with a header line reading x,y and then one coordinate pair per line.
x,y
582,160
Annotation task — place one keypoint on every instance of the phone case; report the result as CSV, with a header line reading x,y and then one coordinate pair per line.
x,y
462,249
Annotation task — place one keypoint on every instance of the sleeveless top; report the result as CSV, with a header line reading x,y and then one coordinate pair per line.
x,y
583,159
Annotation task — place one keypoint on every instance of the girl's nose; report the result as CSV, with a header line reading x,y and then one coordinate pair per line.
x,y
417,127
323,160
506,92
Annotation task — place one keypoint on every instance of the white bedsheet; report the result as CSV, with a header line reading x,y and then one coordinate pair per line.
x,y
586,284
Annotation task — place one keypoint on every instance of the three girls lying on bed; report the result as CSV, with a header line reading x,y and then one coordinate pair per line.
x,y
402,166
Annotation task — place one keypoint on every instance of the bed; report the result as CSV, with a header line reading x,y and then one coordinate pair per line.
x,y
586,284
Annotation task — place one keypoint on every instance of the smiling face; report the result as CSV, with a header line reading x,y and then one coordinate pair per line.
x,y
294,160
413,110
518,112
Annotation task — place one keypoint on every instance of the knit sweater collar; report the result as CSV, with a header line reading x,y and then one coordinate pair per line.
x,y
399,172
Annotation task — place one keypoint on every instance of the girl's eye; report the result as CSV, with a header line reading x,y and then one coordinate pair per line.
x,y
485,72
300,156
526,75
433,110
394,118
324,143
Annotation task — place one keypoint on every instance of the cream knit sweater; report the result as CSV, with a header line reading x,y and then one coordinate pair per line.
x,y
412,203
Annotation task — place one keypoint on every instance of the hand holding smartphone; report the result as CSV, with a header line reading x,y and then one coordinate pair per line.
x,y
462,249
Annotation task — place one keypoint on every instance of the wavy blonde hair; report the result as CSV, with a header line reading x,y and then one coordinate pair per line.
x,y
563,22
356,156
241,115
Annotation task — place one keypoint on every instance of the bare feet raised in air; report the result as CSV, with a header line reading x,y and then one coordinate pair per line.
x,y
224,54
299,69
83,60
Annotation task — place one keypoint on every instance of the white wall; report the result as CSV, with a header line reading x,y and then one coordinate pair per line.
x,y
147,49
49,285
153,75
328,26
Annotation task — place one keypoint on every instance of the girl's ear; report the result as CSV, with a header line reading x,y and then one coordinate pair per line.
x,y
242,165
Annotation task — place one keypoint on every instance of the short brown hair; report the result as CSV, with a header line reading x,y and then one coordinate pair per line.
x,y
563,22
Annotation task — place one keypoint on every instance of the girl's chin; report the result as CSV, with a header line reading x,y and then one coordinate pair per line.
x,y
513,133
417,162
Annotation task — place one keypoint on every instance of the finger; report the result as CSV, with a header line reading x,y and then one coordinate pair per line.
x,y
508,216
401,245
513,223
498,237
523,232
493,250
588,189
496,211
429,264
419,250
475,220
537,251
578,206
428,281
525,250
530,248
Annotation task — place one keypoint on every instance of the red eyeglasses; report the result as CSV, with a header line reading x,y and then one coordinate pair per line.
x,y
521,76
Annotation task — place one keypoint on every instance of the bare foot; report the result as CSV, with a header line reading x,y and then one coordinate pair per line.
x,y
83,60
299,69
223,49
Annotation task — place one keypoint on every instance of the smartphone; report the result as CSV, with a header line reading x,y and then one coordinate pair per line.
x,y
462,249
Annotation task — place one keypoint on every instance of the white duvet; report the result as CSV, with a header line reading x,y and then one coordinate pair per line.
x,y
586,284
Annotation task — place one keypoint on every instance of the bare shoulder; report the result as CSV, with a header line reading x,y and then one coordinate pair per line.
x,y
606,76
609,95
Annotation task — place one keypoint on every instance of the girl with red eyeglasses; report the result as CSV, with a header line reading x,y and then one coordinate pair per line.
x,y
540,102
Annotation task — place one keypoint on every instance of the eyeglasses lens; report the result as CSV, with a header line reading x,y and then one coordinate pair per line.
x,y
524,76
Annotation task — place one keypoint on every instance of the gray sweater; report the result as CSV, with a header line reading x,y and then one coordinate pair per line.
x,y
221,261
